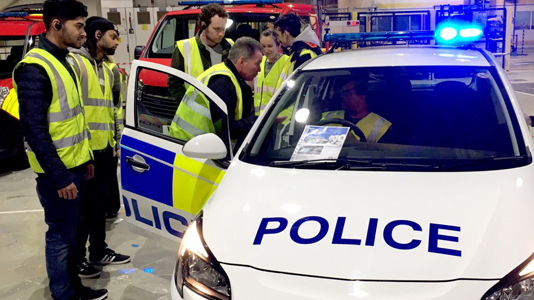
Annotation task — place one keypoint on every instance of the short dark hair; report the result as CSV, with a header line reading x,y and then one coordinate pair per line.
x,y
62,10
290,23
271,33
209,11
246,47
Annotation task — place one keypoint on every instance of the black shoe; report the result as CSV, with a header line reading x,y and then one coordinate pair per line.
x,y
90,294
109,258
87,270
111,216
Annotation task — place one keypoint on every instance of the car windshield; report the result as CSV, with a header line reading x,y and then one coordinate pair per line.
x,y
427,118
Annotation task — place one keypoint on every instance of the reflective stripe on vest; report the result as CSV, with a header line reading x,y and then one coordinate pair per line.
x,y
193,116
372,126
265,87
99,108
67,126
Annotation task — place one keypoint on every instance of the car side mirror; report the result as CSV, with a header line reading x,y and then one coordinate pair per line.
x,y
138,51
206,146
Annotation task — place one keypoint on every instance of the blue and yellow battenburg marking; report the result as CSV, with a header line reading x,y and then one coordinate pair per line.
x,y
185,186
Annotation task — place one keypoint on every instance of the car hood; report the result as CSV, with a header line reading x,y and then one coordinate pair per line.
x,y
379,225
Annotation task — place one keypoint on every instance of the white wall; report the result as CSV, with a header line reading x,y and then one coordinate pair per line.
x,y
93,6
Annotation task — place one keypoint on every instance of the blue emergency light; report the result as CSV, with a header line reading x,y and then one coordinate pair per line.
x,y
230,2
457,33
379,36
14,15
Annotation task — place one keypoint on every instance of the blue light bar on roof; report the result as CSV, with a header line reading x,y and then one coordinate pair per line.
x,y
14,15
457,32
230,2
379,36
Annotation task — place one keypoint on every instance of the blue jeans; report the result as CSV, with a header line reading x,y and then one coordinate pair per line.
x,y
63,218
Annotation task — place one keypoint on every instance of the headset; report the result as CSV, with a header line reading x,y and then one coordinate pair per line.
x,y
99,36
58,26
203,26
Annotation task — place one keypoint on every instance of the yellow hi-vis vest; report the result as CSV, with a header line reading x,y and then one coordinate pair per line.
x,y
67,125
11,104
99,108
264,87
193,116
192,60
289,67
372,126
117,75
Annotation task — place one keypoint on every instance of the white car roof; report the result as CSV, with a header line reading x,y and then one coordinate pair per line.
x,y
399,56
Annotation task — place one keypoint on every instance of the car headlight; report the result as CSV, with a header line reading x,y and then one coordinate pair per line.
x,y
198,269
517,285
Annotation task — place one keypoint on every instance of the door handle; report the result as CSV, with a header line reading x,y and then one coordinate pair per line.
x,y
138,163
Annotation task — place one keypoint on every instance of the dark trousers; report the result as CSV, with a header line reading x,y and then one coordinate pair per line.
x,y
114,200
94,218
63,218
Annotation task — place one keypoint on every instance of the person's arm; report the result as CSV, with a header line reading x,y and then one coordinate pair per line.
x,y
225,89
116,86
35,97
176,85
302,59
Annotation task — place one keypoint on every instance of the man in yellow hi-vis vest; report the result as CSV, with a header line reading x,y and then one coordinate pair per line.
x,y
354,104
55,128
196,116
208,48
303,44
118,90
97,93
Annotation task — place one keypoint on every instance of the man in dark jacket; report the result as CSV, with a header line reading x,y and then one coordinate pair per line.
x,y
224,79
52,120
197,54
303,44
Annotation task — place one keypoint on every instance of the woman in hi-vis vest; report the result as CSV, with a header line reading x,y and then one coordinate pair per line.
x,y
271,67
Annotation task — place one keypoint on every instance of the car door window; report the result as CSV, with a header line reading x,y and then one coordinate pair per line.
x,y
157,100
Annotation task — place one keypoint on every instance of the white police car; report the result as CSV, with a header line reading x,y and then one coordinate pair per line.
x,y
390,173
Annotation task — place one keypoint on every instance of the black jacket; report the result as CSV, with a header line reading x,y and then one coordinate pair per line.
x,y
176,85
224,88
35,96
297,48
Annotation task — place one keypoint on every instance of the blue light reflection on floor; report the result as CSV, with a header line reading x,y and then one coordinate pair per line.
x,y
127,271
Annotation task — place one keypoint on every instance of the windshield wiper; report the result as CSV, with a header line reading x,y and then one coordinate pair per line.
x,y
484,160
340,164
351,164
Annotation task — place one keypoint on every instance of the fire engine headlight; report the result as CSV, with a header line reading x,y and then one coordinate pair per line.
x,y
517,285
198,269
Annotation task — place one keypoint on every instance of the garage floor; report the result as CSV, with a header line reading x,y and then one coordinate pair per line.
x,y
147,277
23,270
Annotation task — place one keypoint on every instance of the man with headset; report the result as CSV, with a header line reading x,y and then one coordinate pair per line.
x,y
208,48
57,133
97,82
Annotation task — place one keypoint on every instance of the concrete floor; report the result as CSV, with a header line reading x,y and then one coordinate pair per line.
x,y
147,277
22,260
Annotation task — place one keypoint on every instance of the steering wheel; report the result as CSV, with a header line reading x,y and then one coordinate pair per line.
x,y
346,123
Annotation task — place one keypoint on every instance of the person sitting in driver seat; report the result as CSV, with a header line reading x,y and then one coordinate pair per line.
x,y
354,110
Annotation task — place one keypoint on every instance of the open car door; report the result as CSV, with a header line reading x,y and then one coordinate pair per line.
x,y
163,189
